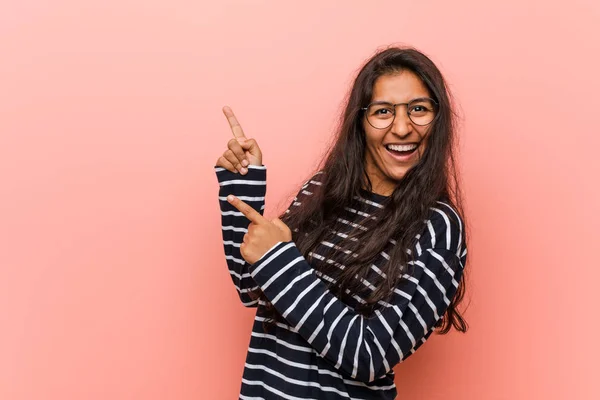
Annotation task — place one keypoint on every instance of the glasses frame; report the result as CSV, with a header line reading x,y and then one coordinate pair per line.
x,y
407,111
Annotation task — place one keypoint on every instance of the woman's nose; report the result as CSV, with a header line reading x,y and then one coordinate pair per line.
x,y
402,124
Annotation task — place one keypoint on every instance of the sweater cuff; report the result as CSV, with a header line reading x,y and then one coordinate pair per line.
x,y
255,172
254,183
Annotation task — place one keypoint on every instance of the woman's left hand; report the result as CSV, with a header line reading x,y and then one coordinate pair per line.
x,y
262,234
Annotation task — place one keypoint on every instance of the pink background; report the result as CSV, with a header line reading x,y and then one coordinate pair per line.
x,y
113,283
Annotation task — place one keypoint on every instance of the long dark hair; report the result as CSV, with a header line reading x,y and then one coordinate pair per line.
x,y
343,176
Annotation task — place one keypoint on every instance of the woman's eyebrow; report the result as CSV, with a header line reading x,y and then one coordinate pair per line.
x,y
380,102
388,102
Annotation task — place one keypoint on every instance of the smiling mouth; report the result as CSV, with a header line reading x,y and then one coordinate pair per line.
x,y
403,150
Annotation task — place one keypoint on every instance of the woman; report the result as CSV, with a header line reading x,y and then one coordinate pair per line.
x,y
368,260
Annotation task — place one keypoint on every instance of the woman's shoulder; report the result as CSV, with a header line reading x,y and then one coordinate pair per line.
x,y
445,227
308,188
318,176
314,181
444,209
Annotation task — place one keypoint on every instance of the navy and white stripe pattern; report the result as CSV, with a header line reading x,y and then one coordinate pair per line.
x,y
326,350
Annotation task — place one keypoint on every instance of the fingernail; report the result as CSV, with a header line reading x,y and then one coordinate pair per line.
x,y
244,171
245,163
230,198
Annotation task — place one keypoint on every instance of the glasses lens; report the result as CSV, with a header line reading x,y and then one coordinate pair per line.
x,y
380,115
421,111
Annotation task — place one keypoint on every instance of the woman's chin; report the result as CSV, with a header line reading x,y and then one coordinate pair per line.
x,y
397,174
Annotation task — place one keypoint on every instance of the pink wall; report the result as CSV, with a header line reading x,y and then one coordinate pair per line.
x,y
113,283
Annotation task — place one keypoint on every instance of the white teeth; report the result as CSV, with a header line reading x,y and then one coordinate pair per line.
x,y
406,147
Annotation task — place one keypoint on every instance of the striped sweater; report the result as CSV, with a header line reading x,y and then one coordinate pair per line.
x,y
325,349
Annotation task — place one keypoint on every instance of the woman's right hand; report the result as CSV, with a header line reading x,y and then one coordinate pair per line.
x,y
241,151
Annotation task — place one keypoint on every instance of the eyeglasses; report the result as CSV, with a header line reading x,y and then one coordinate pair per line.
x,y
421,111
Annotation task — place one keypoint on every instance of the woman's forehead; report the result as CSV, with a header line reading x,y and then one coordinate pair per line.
x,y
400,87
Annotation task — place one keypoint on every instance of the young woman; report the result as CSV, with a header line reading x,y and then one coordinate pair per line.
x,y
368,260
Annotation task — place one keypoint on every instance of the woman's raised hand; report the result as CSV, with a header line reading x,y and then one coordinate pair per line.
x,y
241,151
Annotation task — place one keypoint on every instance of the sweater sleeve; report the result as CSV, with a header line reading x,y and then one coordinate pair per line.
x,y
366,348
250,188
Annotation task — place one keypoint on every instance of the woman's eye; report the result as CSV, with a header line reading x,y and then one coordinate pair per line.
x,y
418,109
383,111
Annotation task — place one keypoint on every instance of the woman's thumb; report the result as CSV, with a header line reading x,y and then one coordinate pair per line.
x,y
248,144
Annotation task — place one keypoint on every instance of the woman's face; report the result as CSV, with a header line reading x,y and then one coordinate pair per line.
x,y
385,164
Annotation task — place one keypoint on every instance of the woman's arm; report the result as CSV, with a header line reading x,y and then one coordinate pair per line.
x,y
251,188
366,348
240,172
